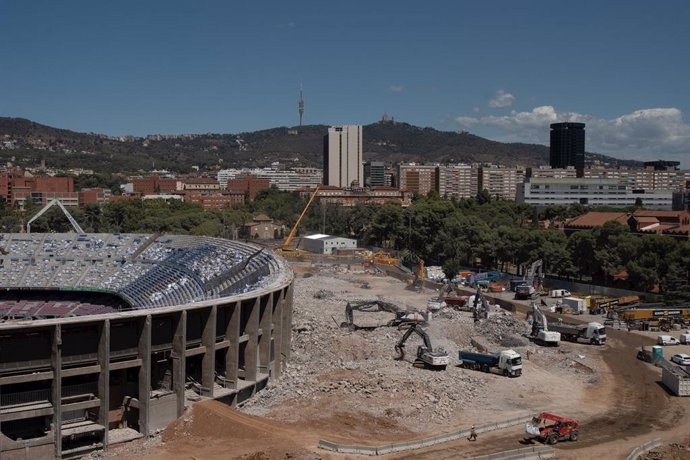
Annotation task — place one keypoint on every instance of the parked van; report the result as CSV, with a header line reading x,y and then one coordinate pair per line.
x,y
667,340
559,293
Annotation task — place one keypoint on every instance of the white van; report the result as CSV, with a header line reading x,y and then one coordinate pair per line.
x,y
559,293
667,340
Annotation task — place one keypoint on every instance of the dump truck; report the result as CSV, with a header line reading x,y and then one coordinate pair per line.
x,y
508,362
595,333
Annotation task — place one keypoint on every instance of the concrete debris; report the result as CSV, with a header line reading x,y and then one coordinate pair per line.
x,y
504,330
323,294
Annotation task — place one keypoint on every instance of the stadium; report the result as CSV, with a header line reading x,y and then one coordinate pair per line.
x,y
107,337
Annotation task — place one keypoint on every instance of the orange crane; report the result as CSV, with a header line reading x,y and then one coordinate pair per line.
x,y
285,248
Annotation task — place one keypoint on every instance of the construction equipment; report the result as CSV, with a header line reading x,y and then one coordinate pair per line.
x,y
480,306
427,357
285,248
540,328
373,306
53,202
508,362
382,258
594,332
562,429
532,282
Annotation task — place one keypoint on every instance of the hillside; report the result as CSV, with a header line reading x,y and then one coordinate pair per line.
x,y
29,143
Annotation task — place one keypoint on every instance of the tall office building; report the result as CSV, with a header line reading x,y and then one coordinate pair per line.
x,y
375,173
342,156
568,146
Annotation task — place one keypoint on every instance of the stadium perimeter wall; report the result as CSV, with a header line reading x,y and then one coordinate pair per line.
x,y
66,384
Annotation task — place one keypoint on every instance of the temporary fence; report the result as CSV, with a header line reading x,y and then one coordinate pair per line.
x,y
644,448
419,443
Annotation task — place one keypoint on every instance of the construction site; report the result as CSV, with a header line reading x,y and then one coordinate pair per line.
x,y
381,365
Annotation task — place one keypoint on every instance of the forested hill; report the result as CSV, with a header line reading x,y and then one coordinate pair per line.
x,y
30,142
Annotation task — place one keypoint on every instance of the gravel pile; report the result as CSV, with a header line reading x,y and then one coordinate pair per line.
x,y
504,329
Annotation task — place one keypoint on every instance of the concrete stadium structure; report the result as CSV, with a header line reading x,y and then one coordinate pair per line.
x,y
90,355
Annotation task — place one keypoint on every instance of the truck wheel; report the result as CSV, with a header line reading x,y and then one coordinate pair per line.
x,y
573,435
551,439
505,372
592,341
485,368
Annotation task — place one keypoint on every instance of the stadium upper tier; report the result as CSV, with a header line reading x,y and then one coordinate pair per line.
x,y
144,270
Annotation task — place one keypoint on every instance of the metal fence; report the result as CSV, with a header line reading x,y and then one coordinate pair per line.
x,y
534,452
419,443
644,448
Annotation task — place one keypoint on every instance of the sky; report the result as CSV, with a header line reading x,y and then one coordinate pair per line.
x,y
503,70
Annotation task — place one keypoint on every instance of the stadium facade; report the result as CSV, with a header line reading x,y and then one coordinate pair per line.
x,y
108,337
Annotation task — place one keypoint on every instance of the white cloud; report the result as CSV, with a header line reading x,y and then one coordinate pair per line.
x,y
396,88
476,109
643,134
502,99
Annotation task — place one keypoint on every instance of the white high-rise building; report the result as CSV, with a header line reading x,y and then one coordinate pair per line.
x,y
342,156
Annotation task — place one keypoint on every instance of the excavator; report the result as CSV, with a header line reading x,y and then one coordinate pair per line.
x,y
427,357
480,306
540,327
372,306
532,282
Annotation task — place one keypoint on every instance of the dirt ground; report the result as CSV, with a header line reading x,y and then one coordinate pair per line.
x,y
346,386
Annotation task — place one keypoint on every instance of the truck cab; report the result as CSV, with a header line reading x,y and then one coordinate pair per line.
x,y
510,362
596,333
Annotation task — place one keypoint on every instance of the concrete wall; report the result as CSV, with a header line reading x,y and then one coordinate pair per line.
x,y
229,348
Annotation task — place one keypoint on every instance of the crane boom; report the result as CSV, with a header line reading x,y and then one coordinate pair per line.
x,y
53,202
293,232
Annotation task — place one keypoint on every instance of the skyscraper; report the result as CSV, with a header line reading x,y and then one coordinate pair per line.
x,y
342,156
568,146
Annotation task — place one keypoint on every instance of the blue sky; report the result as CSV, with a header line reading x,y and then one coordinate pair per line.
x,y
502,69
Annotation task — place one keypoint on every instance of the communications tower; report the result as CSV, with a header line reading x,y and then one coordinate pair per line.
x,y
300,105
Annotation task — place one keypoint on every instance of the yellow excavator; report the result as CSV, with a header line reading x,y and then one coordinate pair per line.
x,y
285,249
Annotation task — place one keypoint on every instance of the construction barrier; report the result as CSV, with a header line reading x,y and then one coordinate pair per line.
x,y
420,443
525,453
644,448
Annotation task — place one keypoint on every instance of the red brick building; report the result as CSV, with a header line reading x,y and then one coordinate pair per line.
x,y
154,184
249,185
214,201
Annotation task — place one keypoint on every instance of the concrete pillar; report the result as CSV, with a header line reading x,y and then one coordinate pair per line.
x,y
56,364
287,323
232,334
277,317
265,323
251,349
208,363
179,360
145,375
104,378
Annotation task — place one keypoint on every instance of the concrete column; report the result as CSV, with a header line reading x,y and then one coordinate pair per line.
x,y
250,350
279,298
56,363
232,334
287,322
179,361
104,378
208,363
145,375
265,322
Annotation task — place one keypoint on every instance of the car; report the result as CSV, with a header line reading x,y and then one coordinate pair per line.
x,y
681,358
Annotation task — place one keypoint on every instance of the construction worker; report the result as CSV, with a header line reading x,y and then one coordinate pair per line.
x,y
473,434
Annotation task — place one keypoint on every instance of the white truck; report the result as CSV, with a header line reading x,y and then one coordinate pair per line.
x,y
593,332
508,362
558,293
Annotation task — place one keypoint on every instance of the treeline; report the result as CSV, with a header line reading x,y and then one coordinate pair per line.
x,y
482,232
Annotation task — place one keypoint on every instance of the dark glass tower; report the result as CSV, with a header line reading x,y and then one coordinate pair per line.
x,y
568,146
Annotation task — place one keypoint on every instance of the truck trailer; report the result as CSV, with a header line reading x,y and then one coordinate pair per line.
x,y
595,333
508,362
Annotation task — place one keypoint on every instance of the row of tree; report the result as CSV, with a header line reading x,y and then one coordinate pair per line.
x,y
482,232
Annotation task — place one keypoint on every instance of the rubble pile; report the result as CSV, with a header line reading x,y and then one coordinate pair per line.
x,y
330,362
504,329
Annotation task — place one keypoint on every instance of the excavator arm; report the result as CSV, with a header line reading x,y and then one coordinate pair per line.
x,y
414,329
373,306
